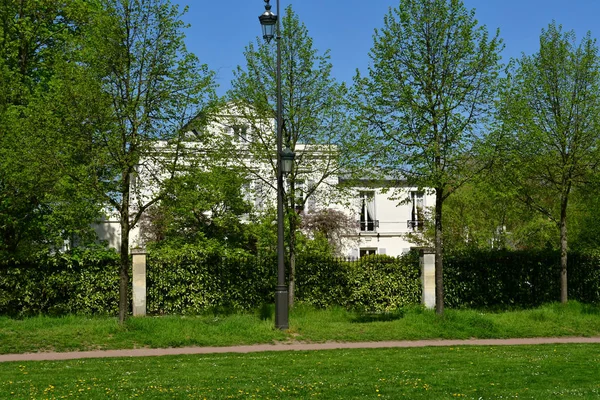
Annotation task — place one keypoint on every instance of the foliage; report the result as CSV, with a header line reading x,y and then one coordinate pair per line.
x,y
380,283
314,119
208,276
322,279
83,281
200,205
426,99
550,109
40,207
333,225
197,278
584,213
486,214
505,279
132,90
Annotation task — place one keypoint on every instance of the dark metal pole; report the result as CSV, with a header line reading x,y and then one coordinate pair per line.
x,y
281,292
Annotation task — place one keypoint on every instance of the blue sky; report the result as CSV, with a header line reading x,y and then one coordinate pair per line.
x,y
220,30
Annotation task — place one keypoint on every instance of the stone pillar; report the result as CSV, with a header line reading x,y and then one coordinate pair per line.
x,y
427,263
139,282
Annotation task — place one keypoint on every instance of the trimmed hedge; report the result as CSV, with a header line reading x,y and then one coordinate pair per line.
x,y
383,284
505,279
192,280
81,282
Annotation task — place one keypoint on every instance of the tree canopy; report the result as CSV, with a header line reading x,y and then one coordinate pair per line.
x,y
426,97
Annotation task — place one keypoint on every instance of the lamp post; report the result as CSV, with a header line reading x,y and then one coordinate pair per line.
x,y
285,159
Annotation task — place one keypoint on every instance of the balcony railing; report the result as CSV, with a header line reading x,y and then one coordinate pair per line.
x,y
369,226
415,224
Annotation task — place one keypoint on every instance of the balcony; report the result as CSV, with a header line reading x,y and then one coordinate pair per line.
x,y
415,224
369,226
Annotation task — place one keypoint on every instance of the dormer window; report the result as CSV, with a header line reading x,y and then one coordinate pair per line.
x,y
240,133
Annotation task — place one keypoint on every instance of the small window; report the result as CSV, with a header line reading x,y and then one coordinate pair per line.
x,y
417,215
259,195
367,252
299,193
240,133
310,201
367,211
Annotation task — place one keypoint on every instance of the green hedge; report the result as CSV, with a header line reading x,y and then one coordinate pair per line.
x,y
382,283
322,281
192,280
81,282
505,279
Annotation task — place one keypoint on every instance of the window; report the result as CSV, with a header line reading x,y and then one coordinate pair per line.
x,y
310,202
304,198
259,195
367,212
367,252
417,217
299,193
240,133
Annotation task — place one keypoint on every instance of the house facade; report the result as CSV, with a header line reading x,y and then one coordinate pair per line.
x,y
385,212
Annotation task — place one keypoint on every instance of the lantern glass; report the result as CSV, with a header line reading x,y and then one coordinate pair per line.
x,y
287,160
268,21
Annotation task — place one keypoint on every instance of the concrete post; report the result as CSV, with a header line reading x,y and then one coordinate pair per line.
x,y
427,263
139,281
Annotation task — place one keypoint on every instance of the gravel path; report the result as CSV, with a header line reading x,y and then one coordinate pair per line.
x,y
146,352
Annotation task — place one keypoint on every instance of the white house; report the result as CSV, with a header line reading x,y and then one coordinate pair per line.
x,y
384,214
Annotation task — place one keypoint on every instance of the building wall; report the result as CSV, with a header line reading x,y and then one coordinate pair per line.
x,y
391,214
393,211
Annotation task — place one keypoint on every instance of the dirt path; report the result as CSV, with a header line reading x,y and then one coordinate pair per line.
x,y
289,347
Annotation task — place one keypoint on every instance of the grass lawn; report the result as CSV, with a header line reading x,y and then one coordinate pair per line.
x,y
527,372
306,324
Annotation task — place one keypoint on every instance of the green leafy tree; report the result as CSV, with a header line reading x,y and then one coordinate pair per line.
x,y
487,214
130,95
200,205
39,206
551,112
314,121
425,99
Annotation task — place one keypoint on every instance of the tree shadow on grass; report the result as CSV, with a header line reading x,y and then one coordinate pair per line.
x,y
367,317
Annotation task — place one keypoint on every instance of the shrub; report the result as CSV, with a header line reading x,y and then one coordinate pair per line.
x,y
505,279
196,278
79,282
380,283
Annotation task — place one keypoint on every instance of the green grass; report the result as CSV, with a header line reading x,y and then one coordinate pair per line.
x,y
526,372
306,324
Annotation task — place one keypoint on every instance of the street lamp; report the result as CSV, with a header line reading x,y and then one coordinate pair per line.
x,y
268,20
287,160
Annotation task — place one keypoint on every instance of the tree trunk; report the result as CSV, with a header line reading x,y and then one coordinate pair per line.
x,y
292,278
563,250
439,280
124,273
292,258
124,264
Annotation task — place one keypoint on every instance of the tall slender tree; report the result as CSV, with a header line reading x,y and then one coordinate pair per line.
x,y
131,94
550,108
314,121
426,97
39,206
